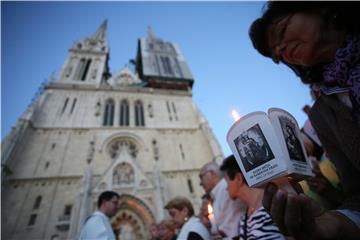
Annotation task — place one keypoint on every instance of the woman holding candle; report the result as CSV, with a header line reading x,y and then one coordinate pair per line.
x,y
204,212
320,42
181,212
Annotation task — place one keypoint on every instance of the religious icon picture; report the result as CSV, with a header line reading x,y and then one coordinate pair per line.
x,y
291,139
253,148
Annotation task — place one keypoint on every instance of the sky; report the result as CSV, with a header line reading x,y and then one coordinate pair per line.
x,y
213,36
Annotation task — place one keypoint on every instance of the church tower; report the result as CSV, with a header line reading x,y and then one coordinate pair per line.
x,y
137,132
87,63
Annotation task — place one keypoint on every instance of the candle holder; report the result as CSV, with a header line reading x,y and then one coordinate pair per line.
x,y
268,147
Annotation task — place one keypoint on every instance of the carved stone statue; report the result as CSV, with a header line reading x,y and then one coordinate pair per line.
x,y
98,108
91,151
123,174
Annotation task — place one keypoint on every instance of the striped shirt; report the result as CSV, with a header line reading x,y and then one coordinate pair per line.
x,y
259,225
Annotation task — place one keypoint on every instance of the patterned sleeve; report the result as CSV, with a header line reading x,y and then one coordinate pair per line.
x,y
259,226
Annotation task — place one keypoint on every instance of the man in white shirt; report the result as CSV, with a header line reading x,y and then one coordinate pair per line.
x,y
98,224
227,212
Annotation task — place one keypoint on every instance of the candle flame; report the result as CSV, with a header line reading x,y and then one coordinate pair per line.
x,y
210,209
235,115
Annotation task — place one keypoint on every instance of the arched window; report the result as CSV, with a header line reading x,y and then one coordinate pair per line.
x,y
86,70
109,113
65,104
73,105
139,114
182,151
37,202
67,210
169,110
166,65
32,220
124,113
190,186
83,69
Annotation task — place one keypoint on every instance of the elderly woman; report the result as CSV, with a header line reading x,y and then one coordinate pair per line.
x,y
154,232
167,230
320,42
181,212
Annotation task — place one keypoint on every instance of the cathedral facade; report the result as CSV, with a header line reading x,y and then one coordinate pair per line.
x,y
137,132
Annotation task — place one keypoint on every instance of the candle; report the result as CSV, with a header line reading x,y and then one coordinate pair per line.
x,y
258,144
235,115
212,219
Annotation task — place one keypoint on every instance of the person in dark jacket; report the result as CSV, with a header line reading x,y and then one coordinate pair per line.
x,y
320,42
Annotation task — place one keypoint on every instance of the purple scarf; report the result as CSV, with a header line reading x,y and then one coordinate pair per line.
x,y
345,71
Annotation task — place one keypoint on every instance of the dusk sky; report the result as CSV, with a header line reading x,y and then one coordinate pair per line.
x,y
213,37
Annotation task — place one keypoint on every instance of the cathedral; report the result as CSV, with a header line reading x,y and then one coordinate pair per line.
x,y
137,132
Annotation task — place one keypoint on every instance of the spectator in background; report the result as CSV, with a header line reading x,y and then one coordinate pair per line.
x,y
181,212
98,226
153,232
227,211
167,230
256,223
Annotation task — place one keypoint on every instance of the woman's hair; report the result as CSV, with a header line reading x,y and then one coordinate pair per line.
x,y
341,15
231,167
180,203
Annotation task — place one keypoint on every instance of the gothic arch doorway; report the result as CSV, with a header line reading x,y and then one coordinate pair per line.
x,y
132,219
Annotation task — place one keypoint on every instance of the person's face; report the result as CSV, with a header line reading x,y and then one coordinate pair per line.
x,y
111,206
206,180
166,232
178,216
232,186
153,230
300,39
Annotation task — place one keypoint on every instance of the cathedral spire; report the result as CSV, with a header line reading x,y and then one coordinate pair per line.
x,y
161,64
88,59
101,32
150,35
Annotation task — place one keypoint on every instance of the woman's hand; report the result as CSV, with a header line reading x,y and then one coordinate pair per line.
x,y
295,215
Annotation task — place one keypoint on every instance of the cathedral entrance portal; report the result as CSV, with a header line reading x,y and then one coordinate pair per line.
x,y
132,220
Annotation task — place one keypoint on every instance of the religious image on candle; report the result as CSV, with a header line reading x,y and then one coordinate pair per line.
x,y
253,148
267,147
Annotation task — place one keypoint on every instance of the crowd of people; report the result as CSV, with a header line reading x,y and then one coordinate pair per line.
x,y
320,42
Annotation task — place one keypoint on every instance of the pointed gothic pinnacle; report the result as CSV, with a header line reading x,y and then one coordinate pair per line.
x,y
150,34
101,32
